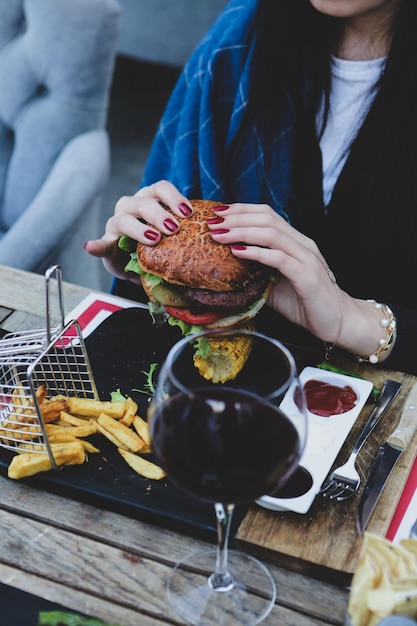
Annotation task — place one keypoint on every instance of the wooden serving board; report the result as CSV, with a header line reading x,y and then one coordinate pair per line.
x,y
324,542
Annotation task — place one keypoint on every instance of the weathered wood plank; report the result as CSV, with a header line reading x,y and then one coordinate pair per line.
x,y
92,533
25,292
4,313
99,569
75,600
20,321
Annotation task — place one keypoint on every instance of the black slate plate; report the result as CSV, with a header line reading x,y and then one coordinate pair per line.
x,y
120,350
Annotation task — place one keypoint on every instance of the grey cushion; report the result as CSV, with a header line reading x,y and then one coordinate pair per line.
x,y
56,65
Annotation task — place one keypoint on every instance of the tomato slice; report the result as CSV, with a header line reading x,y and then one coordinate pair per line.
x,y
185,315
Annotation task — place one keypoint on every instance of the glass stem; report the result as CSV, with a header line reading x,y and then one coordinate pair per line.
x,y
221,580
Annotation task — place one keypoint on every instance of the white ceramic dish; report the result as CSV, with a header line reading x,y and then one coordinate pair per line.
x,y
326,436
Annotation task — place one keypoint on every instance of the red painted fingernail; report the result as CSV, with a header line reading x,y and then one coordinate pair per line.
x,y
237,246
170,225
85,244
151,235
220,231
215,220
221,207
185,209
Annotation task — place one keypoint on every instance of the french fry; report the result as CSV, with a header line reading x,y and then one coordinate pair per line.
x,y
33,429
61,437
130,412
67,422
141,466
93,408
23,405
20,399
142,428
72,420
51,409
29,446
30,463
41,393
110,437
76,431
128,437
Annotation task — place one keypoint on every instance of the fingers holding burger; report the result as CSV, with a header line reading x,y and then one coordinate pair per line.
x,y
195,282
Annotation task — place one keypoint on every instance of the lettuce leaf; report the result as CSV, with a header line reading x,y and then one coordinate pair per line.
x,y
127,244
117,396
185,327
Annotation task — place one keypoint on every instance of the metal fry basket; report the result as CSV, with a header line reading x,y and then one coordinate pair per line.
x,y
54,359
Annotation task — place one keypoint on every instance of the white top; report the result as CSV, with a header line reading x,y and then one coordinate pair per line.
x,y
350,98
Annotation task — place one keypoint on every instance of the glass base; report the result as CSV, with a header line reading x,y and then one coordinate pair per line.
x,y
246,602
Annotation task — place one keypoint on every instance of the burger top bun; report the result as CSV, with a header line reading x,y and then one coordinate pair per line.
x,y
191,257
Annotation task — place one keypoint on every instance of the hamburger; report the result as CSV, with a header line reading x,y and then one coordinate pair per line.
x,y
194,282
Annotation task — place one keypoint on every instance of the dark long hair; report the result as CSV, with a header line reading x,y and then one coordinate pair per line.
x,y
290,64
377,190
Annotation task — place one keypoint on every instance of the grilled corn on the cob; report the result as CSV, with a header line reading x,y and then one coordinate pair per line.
x,y
225,358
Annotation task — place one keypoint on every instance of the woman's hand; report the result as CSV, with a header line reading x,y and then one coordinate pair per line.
x,y
143,218
306,292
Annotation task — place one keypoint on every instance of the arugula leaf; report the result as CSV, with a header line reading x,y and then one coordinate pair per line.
x,y
149,386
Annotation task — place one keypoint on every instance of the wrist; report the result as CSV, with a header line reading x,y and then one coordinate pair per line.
x,y
372,333
388,326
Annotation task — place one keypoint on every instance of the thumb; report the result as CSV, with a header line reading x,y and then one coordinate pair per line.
x,y
100,248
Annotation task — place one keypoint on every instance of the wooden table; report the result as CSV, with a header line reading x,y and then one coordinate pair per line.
x,y
108,565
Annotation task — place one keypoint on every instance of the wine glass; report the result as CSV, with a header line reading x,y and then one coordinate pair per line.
x,y
226,443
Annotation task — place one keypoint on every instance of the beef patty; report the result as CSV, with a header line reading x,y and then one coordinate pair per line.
x,y
226,300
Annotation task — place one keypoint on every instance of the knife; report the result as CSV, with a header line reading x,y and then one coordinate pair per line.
x,y
387,456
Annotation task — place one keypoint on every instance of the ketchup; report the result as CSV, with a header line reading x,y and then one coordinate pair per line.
x,y
325,399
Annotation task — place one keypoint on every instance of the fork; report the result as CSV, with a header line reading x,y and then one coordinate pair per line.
x,y
344,481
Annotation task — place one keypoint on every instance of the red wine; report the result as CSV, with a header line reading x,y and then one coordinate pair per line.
x,y
232,447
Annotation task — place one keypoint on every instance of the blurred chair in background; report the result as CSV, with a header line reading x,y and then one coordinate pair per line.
x,y
56,65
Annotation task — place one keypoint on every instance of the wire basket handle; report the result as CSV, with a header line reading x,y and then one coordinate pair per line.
x,y
55,269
